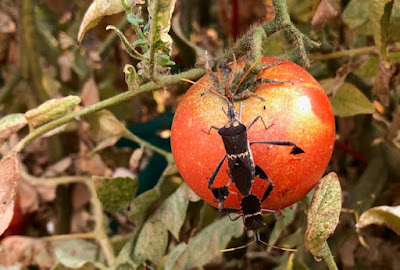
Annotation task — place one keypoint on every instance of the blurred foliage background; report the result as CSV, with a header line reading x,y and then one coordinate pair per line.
x,y
64,219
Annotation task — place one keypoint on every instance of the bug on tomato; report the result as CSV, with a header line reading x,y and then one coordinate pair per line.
x,y
300,112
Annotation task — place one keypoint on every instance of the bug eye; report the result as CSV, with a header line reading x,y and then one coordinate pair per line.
x,y
236,123
228,125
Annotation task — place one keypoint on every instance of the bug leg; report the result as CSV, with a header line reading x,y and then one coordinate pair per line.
x,y
262,120
214,173
261,174
220,193
209,130
295,150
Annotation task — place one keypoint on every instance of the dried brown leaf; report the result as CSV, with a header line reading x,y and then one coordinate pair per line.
x,y
25,251
9,177
381,87
28,197
90,93
324,12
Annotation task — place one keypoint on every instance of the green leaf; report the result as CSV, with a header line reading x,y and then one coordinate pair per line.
x,y
388,216
160,12
206,245
51,109
130,76
75,253
10,125
128,46
105,128
96,11
282,223
349,101
141,203
356,16
174,255
173,211
115,193
323,214
380,12
151,243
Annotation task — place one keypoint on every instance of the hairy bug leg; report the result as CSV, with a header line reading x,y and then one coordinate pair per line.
x,y
295,150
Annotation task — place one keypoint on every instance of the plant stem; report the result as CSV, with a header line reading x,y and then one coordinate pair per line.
x,y
328,258
99,233
148,87
11,83
30,63
168,156
344,53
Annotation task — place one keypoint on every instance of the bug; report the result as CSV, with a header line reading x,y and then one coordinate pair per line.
x,y
241,167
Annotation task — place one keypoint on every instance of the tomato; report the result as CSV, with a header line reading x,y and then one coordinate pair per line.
x,y
297,110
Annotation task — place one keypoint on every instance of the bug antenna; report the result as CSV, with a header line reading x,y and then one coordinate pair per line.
x,y
236,248
247,73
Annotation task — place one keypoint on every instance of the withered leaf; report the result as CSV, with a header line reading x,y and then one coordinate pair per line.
x,y
381,87
9,176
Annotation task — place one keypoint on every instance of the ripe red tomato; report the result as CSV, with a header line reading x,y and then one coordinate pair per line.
x,y
298,111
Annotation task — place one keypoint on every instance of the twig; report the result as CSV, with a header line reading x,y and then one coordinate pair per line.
x,y
168,156
148,87
344,53
11,83
100,232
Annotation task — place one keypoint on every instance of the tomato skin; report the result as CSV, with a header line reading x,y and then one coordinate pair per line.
x,y
297,111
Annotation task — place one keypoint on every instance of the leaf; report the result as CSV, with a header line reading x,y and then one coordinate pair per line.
x,y
356,16
174,255
75,253
96,11
379,14
105,128
323,214
282,223
115,193
51,109
382,82
324,12
207,244
10,125
130,76
369,184
381,215
141,203
173,211
151,242
9,177
160,12
349,101
128,46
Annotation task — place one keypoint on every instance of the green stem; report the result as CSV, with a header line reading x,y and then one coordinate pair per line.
x,y
99,233
11,83
129,135
148,87
30,62
328,258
